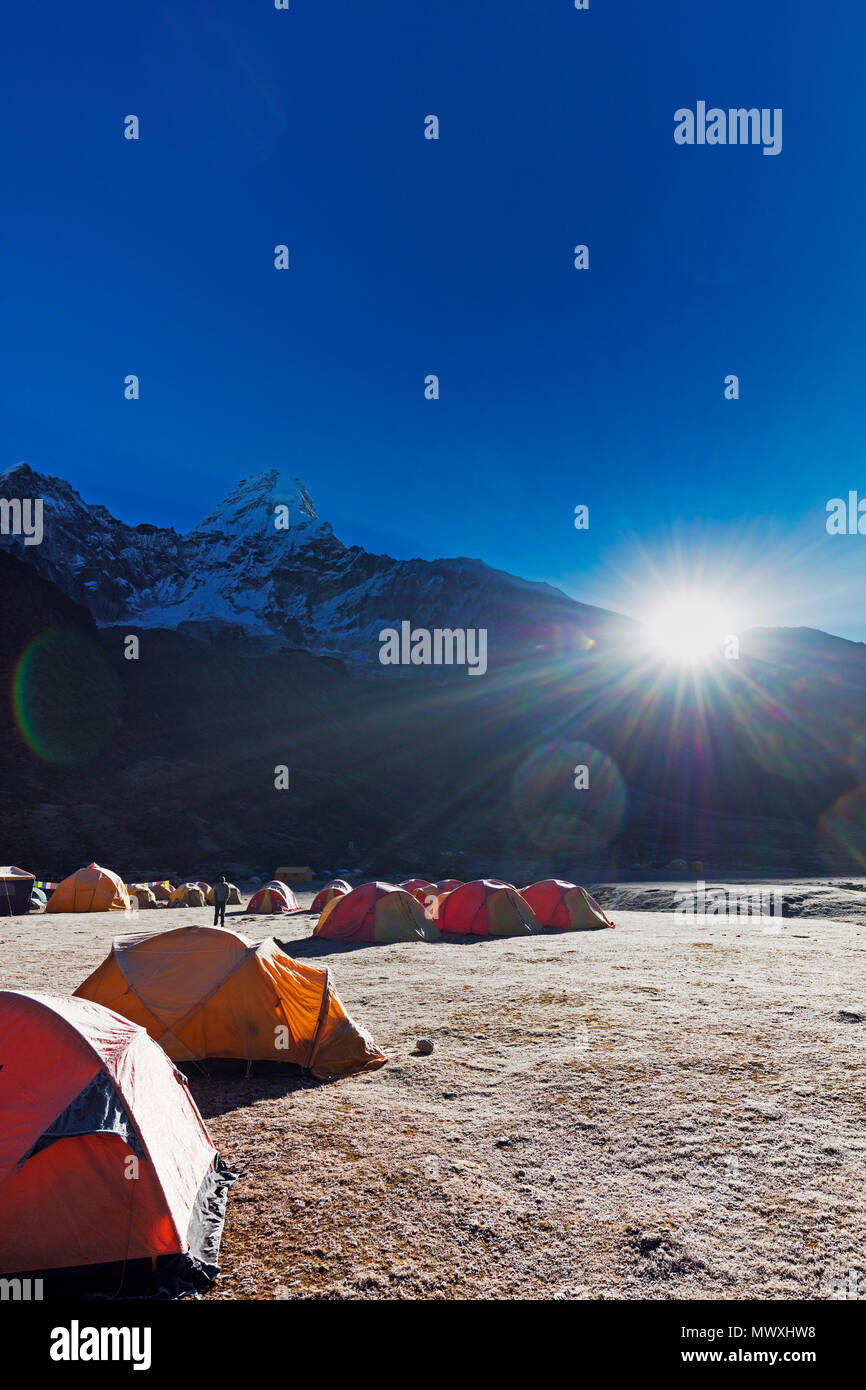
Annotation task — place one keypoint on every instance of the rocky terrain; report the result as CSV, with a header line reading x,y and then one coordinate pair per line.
x,y
295,584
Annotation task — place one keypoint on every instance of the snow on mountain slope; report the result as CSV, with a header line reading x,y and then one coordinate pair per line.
x,y
300,585
249,510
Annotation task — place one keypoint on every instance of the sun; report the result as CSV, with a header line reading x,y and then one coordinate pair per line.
x,y
689,630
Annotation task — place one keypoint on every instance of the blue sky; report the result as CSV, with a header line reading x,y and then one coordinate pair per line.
x,y
410,256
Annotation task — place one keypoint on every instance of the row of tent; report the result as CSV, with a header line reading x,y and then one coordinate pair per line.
x,y
95,889
483,907
92,1097
414,909
275,896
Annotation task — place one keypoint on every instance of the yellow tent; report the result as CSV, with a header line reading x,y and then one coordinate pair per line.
x,y
146,897
187,895
209,992
89,890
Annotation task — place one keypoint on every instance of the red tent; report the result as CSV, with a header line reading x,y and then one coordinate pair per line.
x,y
446,885
104,1157
269,900
418,887
485,907
335,889
557,903
375,912
277,886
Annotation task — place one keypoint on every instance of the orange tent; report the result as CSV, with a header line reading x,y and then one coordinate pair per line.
x,y
161,891
143,894
209,992
187,895
89,1103
375,912
335,889
89,890
446,885
485,907
557,903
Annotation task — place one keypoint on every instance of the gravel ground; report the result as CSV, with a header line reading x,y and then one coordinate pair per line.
x,y
670,1110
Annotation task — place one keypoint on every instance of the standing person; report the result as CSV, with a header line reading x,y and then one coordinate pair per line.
x,y
220,898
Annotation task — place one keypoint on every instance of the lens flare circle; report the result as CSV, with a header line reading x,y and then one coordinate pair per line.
x,y
65,696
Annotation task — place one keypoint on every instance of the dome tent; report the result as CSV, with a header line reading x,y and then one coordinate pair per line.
x,y
418,887
93,889
435,894
209,992
335,889
485,907
108,1098
277,886
375,912
268,900
143,895
187,895
558,903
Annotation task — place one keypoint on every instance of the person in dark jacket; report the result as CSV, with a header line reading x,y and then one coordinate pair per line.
x,y
220,898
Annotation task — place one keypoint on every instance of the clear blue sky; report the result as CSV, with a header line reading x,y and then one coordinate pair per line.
x,y
411,256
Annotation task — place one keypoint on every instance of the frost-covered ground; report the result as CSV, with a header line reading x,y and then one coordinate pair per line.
x,y
670,1109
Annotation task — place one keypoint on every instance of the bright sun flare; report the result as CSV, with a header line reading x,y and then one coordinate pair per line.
x,y
689,630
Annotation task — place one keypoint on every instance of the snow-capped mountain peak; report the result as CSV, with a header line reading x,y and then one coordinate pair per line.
x,y
282,574
256,504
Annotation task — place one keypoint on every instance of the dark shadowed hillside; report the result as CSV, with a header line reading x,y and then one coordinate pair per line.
x,y
167,763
